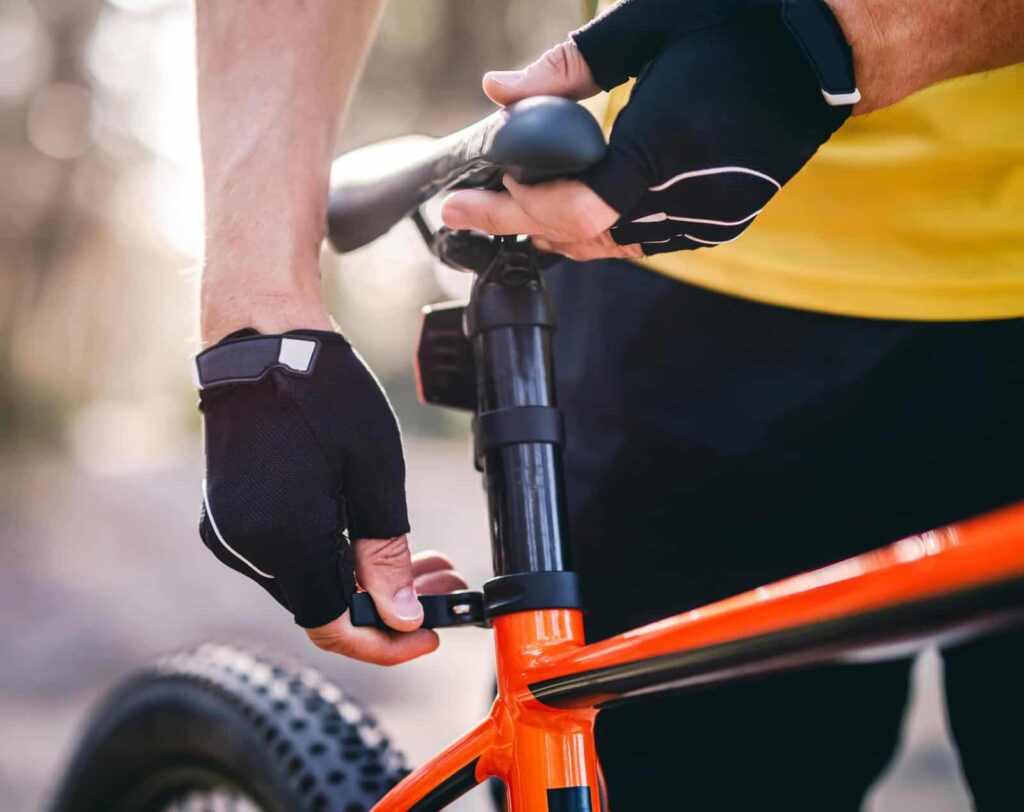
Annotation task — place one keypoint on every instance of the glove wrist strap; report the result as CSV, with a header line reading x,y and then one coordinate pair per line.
x,y
820,37
249,358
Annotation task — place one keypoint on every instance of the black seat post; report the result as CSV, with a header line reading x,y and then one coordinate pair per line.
x,y
518,431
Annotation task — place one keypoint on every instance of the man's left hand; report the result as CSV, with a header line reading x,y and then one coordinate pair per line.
x,y
728,106
565,216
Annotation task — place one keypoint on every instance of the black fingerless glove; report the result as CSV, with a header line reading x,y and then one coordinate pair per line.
x,y
733,98
301,444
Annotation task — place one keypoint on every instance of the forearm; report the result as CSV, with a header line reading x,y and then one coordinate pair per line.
x,y
273,80
902,46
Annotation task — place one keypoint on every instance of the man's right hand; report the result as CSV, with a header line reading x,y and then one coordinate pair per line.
x,y
301,444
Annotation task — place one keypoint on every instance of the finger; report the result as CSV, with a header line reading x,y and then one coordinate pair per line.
x,y
373,502
372,645
384,569
569,210
603,247
490,212
559,211
427,561
560,71
438,583
582,252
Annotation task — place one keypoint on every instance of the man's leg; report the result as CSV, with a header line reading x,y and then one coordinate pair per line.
x,y
984,680
716,444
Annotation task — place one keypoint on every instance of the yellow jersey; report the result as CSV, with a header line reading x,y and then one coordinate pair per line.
x,y
912,212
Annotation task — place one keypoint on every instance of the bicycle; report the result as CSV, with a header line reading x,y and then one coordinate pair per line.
x,y
220,728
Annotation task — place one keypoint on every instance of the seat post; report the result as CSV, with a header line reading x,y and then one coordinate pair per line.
x,y
518,430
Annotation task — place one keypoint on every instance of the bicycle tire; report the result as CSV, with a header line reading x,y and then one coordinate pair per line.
x,y
280,736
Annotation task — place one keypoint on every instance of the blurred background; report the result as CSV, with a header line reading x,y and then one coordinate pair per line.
x,y
100,461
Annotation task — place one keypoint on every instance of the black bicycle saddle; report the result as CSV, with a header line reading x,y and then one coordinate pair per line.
x,y
537,139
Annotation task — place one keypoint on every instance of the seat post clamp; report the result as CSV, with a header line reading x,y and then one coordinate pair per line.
x,y
516,425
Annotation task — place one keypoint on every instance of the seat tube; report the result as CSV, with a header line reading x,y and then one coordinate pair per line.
x,y
547,755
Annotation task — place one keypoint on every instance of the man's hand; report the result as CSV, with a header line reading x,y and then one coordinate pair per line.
x,y
386,571
726,109
732,98
302,445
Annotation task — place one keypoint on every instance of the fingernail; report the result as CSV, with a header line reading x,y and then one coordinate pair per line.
x,y
505,78
407,607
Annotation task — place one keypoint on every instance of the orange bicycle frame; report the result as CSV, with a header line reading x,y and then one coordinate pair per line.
x,y
938,586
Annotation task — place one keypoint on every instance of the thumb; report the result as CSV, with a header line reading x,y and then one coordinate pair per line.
x,y
561,71
384,569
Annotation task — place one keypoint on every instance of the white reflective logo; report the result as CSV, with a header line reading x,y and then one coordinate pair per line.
x,y
296,353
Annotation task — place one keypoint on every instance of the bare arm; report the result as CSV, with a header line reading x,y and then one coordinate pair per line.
x,y
273,80
901,46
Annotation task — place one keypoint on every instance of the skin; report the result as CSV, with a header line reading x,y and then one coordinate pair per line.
x,y
274,78
899,47
432,573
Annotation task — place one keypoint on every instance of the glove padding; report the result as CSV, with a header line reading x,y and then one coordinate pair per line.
x,y
727,108
292,460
